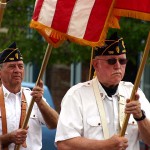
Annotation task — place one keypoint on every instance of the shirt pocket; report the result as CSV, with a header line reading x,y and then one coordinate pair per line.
x,y
33,114
94,128
33,122
94,121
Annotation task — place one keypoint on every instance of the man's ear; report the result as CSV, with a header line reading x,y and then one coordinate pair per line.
x,y
95,63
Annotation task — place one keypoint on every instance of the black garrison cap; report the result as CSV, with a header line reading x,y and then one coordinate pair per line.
x,y
113,46
10,54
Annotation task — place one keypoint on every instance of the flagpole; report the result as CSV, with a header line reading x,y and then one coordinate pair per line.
x,y
43,68
2,7
90,70
137,82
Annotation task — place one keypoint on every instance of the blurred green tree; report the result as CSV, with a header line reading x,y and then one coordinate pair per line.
x,y
17,17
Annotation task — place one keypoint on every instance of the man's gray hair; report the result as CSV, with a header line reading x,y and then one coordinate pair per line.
x,y
1,65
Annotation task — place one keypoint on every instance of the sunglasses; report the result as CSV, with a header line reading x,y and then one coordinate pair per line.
x,y
113,61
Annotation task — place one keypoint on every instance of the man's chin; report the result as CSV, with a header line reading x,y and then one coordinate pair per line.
x,y
17,82
116,81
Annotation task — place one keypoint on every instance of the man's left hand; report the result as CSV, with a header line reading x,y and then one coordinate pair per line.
x,y
134,107
37,92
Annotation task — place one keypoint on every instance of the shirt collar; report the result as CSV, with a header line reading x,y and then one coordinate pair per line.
x,y
7,93
103,92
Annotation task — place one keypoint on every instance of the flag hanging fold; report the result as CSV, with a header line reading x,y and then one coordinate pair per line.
x,y
139,9
82,21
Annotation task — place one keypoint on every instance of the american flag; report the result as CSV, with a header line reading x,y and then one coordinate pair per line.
x,y
85,22
82,21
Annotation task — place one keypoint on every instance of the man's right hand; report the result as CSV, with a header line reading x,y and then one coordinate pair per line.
x,y
19,136
118,143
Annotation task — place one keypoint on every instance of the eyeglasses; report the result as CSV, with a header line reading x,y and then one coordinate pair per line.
x,y
113,61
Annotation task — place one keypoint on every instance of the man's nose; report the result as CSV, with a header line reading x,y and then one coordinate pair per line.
x,y
117,64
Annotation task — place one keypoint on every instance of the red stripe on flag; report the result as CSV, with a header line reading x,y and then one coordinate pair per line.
x,y
37,10
95,26
140,5
62,15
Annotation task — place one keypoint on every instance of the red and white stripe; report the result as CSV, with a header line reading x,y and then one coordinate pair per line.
x,y
83,19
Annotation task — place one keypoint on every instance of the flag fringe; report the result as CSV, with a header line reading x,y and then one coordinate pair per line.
x,y
56,38
46,32
113,22
132,14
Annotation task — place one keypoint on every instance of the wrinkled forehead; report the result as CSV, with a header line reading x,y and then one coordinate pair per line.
x,y
13,63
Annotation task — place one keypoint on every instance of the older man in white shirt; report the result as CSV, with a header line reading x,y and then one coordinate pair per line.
x,y
92,113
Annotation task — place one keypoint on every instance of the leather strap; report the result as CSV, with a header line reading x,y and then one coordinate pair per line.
x,y
100,108
23,110
3,112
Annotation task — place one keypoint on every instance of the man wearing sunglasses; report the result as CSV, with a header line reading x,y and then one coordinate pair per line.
x,y
92,113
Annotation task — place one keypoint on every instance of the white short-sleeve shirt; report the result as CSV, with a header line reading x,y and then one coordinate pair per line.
x,y
13,112
79,116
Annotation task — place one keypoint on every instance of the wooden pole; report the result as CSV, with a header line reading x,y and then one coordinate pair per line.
x,y
137,82
43,68
90,70
2,7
